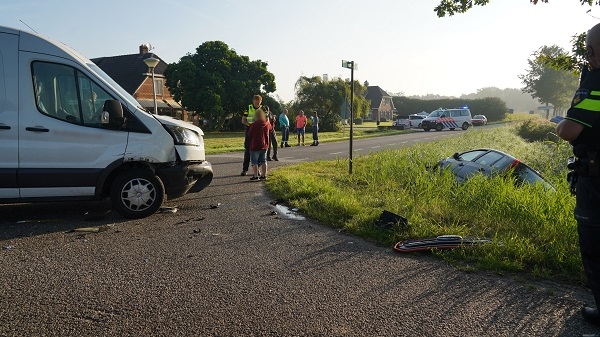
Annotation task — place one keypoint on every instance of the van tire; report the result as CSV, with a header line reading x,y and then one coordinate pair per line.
x,y
426,129
439,127
465,126
137,193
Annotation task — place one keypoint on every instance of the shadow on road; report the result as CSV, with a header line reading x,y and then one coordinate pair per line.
x,y
24,220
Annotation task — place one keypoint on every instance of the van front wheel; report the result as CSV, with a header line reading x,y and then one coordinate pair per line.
x,y
465,126
137,194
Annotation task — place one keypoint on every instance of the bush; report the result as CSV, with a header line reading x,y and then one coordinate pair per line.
x,y
536,129
358,121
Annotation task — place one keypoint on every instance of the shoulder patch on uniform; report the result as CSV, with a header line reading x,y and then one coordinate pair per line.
x,y
580,95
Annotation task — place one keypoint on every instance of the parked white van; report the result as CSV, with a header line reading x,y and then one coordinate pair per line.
x,y
69,132
447,119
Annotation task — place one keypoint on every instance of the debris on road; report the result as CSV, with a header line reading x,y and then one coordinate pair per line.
x,y
168,209
440,242
90,229
217,205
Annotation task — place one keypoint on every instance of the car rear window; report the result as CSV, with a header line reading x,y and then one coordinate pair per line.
x,y
489,158
469,156
526,174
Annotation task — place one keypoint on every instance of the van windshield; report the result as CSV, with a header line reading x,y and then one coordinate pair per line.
x,y
114,84
436,113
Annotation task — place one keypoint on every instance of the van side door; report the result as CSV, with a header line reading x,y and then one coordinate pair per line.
x,y
9,115
64,150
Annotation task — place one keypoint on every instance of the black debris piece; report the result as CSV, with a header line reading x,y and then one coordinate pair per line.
x,y
388,219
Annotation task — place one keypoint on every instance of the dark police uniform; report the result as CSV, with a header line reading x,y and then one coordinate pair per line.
x,y
585,110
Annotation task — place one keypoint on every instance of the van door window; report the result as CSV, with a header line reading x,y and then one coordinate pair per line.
x,y
65,93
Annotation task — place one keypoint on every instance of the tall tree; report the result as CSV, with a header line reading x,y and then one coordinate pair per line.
x,y
547,84
312,93
217,82
451,7
573,62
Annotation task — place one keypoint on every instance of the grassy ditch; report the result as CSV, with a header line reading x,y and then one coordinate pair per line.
x,y
533,229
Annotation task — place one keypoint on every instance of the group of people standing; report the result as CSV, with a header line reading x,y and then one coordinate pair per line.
x,y
261,137
301,121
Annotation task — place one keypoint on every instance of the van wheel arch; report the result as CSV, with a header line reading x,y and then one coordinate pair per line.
x,y
137,193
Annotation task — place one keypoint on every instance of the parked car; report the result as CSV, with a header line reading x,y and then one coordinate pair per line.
x,y
479,120
415,120
490,162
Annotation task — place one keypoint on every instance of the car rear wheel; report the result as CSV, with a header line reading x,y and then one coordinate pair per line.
x,y
465,126
439,127
137,193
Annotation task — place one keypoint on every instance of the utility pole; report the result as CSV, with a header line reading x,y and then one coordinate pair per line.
x,y
352,66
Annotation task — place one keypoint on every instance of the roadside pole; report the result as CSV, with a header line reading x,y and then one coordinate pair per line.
x,y
352,66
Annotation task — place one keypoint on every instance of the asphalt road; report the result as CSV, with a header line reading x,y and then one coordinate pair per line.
x,y
224,265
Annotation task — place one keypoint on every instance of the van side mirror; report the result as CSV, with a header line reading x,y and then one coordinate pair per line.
x,y
456,156
442,116
112,114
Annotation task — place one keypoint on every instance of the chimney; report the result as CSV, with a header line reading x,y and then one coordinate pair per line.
x,y
143,49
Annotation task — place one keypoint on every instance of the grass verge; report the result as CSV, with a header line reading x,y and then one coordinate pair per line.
x,y
533,230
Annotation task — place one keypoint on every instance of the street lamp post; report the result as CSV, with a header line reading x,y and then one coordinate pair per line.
x,y
152,62
352,66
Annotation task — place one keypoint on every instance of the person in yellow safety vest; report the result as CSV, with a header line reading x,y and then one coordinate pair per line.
x,y
580,128
247,119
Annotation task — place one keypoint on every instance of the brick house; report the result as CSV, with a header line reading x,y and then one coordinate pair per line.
x,y
382,105
131,73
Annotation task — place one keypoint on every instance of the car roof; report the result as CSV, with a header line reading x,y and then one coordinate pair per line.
x,y
488,150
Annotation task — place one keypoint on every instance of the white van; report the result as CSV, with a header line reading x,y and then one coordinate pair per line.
x,y
69,132
447,119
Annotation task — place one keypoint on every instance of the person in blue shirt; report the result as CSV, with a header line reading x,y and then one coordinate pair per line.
x,y
284,123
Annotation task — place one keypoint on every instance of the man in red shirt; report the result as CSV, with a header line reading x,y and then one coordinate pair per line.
x,y
258,135
300,126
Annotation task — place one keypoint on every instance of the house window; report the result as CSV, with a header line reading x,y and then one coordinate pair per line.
x,y
158,84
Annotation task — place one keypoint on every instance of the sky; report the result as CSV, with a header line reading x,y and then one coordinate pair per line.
x,y
399,45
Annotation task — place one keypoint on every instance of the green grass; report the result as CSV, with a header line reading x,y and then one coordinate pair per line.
x,y
533,230
222,142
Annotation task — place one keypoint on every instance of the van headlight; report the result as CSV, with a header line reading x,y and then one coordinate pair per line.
x,y
183,136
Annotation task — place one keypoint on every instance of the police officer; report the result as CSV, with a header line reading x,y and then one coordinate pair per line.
x,y
581,127
247,120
